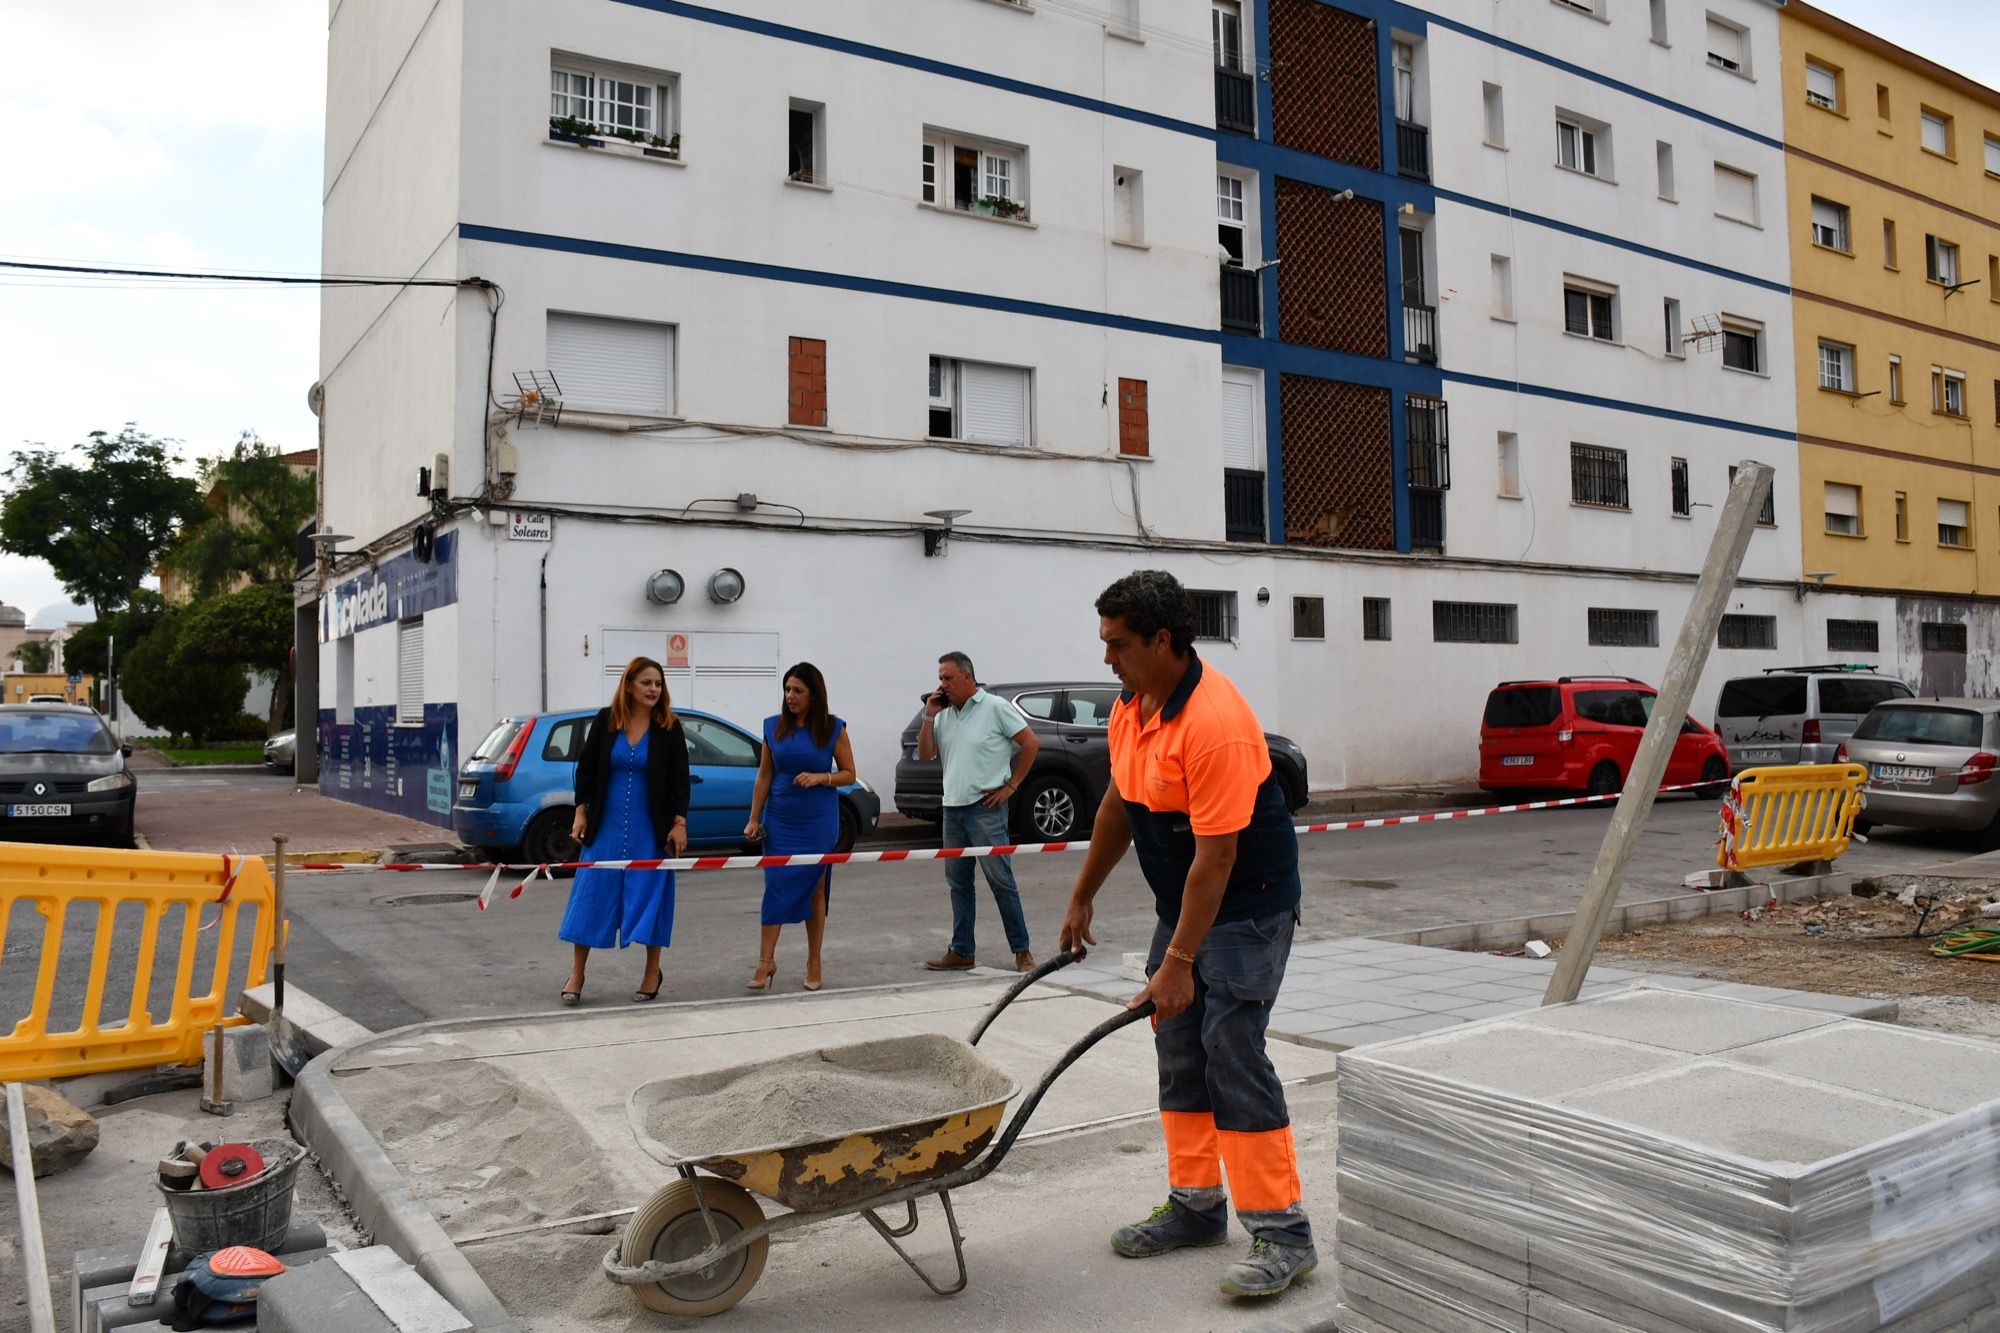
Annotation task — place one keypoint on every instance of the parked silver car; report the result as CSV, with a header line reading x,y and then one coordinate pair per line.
x,y
281,751
1931,764
1798,715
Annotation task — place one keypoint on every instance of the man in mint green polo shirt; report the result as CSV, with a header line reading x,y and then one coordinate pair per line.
x,y
988,748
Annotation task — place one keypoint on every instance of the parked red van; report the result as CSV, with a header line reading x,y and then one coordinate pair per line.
x,y
1579,733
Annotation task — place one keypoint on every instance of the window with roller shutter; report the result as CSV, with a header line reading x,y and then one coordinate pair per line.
x,y
410,672
1735,194
1728,45
621,366
1240,449
980,403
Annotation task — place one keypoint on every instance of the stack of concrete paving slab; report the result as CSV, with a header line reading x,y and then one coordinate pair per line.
x,y
1671,1162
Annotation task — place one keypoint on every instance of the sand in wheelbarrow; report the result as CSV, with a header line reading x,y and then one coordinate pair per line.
x,y
835,1094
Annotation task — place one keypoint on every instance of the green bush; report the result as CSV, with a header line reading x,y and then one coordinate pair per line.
x,y
242,727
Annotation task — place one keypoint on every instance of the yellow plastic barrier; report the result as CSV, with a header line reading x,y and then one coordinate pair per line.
x,y
209,893
1776,816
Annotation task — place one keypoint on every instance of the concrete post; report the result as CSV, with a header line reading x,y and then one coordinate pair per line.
x,y
1642,784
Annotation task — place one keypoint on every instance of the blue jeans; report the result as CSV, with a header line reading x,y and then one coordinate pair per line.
x,y
976,826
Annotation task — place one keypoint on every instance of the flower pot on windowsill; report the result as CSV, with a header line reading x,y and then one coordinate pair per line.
x,y
994,206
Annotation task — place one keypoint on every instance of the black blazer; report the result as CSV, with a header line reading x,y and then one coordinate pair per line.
x,y
666,774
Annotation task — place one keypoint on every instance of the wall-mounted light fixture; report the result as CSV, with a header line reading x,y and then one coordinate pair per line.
x,y
665,587
725,586
1263,596
937,538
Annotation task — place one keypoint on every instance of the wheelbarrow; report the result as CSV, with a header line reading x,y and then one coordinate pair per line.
x,y
698,1246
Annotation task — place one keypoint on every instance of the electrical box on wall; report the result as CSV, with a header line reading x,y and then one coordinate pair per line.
x,y
506,458
441,474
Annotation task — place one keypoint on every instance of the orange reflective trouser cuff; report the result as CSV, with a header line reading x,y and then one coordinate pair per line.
x,y
1263,1169
1194,1157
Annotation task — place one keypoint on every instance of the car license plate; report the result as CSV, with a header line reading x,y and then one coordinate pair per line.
x,y
38,811
1900,773
467,790
1759,756
1517,760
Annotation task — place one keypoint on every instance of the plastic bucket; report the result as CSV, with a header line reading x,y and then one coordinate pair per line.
x,y
256,1213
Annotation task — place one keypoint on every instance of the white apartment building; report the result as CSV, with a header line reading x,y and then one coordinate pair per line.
x,y
884,330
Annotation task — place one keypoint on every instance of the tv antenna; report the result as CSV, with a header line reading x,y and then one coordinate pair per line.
x,y
1704,333
538,398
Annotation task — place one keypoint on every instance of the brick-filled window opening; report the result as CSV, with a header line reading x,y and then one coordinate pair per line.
x,y
1622,627
1747,632
1309,617
1597,477
1767,517
1133,440
1853,636
1943,638
1375,618
1214,615
807,379
1475,622
1683,498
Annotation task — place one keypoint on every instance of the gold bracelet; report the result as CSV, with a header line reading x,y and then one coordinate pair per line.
x,y
1181,954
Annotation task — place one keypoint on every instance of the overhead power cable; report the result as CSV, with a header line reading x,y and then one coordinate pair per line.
x,y
89,271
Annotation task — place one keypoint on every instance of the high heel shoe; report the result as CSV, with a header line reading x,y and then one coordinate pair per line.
x,y
570,998
648,996
810,984
767,978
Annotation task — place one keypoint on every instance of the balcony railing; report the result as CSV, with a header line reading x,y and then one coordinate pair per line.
x,y
1243,505
1413,150
1235,101
1241,307
1429,433
1420,332
1427,519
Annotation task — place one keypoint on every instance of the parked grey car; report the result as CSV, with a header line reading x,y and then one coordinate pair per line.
x,y
281,752
1798,715
1931,764
63,776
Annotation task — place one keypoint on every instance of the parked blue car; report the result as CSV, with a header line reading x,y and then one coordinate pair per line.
x,y
516,793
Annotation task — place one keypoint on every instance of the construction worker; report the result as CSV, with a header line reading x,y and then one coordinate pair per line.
x,y
1192,790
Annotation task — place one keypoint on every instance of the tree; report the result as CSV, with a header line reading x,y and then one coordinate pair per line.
x,y
255,508
194,700
87,650
251,627
34,655
104,524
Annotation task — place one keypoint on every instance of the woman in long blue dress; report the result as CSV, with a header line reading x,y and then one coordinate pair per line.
x,y
796,810
631,805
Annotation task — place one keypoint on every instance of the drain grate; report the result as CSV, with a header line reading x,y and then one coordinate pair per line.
x,y
426,899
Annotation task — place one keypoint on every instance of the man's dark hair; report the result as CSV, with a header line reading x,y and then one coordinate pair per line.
x,y
1148,601
962,662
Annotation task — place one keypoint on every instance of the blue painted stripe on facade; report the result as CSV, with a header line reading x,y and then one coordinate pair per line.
x,y
1637,409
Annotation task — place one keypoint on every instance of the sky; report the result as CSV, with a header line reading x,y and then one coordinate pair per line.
x,y
187,135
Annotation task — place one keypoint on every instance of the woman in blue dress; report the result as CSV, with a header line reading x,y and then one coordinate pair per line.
x,y
796,809
631,805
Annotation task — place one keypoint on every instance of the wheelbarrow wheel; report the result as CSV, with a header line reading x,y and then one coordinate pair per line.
x,y
669,1226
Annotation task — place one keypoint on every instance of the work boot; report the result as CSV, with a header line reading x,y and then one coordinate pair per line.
x,y
1170,1227
1268,1269
951,962
1024,961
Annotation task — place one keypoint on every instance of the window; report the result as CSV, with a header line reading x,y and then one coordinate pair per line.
x,y
1503,287
1888,243
1747,632
1836,366
1822,86
1214,615
612,365
711,742
1852,636
627,104
1375,618
1588,310
1829,224
974,176
1659,16
1992,156
1882,101
1615,627
1039,703
410,672
1940,261
1952,520
805,382
1577,144
1728,45
1675,347
1743,345
1993,277
1735,195
1128,205
1242,420
1091,708
1855,695
1475,622
565,740
1943,638
1594,8
1403,64
1947,391
1902,516
343,682
970,400
1510,464
1767,517
1496,114
1309,617
1597,477
1683,500
1230,215
806,143
1937,132
1225,29
1895,379
1663,162
1843,509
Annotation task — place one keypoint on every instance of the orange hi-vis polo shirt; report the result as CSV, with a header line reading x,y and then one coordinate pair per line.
x,y
1201,767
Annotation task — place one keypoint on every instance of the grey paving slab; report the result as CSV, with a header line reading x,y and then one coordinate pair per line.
x,y
1369,1011
1678,1021
1424,1023
1529,1061
1934,1071
1493,990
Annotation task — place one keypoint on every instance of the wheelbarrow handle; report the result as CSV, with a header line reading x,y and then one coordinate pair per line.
x,y
1122,1018
1027,979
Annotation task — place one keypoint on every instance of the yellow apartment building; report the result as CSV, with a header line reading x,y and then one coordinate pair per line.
x,y
1893,183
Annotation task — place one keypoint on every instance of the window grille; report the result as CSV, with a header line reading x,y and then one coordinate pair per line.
x,y
1943,638
1683,501
1309,617
1617,627
1475,622
1375,618
1853,636
1747,632
1214,615
1597,477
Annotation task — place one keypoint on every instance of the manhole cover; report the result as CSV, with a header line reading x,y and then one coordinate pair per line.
x,y
426,899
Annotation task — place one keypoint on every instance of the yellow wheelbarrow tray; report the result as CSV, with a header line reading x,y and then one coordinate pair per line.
x,y
697,1246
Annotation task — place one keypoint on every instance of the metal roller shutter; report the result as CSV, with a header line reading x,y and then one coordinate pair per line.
x,y
1735,193
1239,424
613,365
410,672
994,403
